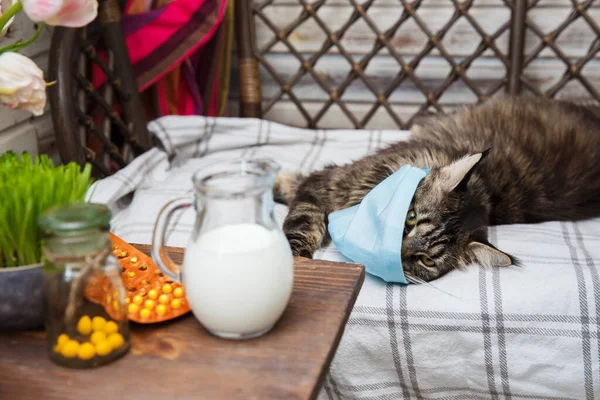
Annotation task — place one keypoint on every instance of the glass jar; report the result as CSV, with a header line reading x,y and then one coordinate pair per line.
x,y
84,297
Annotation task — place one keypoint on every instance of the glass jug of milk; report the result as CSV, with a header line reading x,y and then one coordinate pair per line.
x,y
238,268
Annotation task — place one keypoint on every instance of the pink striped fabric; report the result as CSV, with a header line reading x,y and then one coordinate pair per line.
x,y
162,39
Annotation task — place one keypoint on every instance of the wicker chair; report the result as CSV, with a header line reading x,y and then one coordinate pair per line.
x,y
105,127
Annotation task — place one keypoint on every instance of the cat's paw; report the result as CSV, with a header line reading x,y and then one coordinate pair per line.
x,y
299,249
303,253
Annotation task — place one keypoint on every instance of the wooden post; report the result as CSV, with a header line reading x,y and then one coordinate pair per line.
x,y
516,46
250,94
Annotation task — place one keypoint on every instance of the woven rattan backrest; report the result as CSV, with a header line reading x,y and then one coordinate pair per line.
x,y
104,126
395,60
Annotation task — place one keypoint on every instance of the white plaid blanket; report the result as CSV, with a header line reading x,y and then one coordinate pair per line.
x,y
520,333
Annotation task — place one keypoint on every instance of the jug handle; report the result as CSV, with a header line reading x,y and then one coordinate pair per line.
x,y
159,255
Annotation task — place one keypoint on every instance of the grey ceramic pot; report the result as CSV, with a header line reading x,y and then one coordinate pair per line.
x,y
21,298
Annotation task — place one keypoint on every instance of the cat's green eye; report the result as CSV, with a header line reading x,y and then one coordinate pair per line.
x,y
427,261
411,218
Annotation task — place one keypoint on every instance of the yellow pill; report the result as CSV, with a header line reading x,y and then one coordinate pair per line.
x,y
167,288
98,323
137,299
70,349
161,309
122,254
62,339
84,326
131,274
60,342
127,300
145,313
133,308
153,294
86,351
116,305
149,303
133,260
116,340
175,303
97,337
178,292
163,299
103,348
111,327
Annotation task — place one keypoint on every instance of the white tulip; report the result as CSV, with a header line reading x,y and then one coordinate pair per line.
x,y
22,84
69,13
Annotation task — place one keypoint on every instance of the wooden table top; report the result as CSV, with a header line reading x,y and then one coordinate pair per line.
x,y
180,360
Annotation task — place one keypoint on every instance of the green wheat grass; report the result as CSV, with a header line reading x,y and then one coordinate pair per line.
x,y
28,187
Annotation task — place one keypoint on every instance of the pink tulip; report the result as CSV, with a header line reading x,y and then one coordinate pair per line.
x,y
5,5
22,83
69,13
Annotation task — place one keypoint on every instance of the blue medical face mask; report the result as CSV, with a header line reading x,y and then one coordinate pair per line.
x,y
370,233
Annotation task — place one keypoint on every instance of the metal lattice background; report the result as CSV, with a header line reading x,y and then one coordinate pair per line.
x,y
513,47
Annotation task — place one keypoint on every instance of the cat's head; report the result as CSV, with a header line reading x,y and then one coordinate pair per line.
x,y
446,226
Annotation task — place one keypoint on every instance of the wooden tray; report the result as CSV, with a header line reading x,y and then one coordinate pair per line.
x,y
180,360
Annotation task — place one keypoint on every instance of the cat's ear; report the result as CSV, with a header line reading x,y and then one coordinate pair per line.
x,y
489,256
460,170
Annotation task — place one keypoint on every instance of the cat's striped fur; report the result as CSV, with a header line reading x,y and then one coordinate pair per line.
x,y
543,164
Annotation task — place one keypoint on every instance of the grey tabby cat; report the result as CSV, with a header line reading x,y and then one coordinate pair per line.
x,y
507,161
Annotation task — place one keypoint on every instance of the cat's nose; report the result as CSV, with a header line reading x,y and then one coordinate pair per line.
x,y
407,246
410,245
409,242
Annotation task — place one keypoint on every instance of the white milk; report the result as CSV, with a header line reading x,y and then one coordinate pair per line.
x,y
238,278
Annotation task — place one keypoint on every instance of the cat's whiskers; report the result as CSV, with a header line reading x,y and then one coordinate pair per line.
x,y
418,281
413,279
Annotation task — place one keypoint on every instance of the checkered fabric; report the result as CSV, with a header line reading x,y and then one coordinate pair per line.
x,y
511,333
